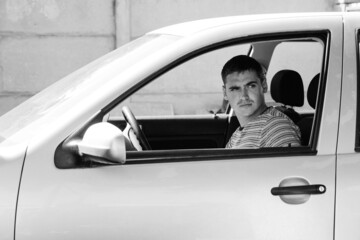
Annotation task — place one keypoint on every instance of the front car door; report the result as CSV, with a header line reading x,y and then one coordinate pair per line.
x,y
198,193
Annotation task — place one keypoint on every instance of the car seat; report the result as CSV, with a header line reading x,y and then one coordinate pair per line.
x,y
287,88
305,124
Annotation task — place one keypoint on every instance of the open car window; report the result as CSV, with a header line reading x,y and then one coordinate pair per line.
x,y
184,108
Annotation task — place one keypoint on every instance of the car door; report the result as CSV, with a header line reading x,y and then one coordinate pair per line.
x,y
279,193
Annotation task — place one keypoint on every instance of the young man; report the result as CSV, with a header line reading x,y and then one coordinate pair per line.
x,y
260,125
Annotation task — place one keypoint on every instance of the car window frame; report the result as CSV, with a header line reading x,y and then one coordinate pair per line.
x,y
190,155
208,154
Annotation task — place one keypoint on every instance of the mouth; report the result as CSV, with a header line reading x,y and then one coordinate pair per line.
x,y
244,104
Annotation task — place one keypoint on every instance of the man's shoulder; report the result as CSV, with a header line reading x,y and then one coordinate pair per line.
x,y
271,114
279,130
270,118
273,117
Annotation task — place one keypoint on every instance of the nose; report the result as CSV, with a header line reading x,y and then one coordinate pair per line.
x,y
245,94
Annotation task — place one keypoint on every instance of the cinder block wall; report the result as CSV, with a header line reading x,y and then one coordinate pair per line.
x,y
42,41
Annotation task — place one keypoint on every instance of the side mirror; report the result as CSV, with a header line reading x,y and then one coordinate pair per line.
x,y
105,141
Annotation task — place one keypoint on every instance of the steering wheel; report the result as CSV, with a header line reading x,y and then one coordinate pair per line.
x,y
131,120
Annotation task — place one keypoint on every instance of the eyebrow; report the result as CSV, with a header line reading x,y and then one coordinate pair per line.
x,y
247,84
251,82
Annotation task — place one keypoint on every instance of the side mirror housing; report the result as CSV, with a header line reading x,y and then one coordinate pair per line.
x,y
105,141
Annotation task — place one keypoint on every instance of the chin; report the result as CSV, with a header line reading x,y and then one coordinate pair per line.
x,y
247,111
247,115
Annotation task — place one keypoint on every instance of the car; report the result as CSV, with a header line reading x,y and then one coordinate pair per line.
x,y
132,146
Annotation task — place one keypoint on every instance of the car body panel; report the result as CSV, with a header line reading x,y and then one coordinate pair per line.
x,y
175,200
217,198
11,163
194,27
348,161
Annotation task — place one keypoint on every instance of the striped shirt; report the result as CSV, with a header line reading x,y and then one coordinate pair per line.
x,y
270,129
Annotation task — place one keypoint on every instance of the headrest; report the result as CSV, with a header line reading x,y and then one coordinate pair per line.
x,y
287,88
312,90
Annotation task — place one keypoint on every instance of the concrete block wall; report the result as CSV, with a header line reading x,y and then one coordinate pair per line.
x,y
42,41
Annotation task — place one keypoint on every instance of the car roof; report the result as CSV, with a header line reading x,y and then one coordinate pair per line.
x,y
192,27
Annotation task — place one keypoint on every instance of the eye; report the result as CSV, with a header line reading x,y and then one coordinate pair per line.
x,y
233,89
252,85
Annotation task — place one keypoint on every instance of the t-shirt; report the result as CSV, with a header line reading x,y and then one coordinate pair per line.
x,y
272,128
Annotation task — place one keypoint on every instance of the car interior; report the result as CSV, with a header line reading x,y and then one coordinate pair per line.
x,y
212,128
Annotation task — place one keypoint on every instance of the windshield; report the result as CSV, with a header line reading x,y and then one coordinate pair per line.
x,y
83,81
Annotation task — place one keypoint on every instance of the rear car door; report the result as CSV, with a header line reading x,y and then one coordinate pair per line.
x,y
198,193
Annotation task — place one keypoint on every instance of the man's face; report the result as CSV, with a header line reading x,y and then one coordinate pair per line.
x,y
245,93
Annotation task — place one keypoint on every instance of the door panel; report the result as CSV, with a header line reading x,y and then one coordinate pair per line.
x,y
218,199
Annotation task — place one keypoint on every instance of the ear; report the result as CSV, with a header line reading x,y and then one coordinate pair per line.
x,y
224,93
264,86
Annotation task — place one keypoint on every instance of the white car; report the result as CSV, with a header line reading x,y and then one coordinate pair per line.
x,y
72,167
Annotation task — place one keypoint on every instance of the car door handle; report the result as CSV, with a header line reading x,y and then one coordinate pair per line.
x,y
294,190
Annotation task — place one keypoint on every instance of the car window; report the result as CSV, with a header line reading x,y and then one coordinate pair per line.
x,y
193,90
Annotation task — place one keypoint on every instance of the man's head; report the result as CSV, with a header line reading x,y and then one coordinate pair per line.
x,y
244,87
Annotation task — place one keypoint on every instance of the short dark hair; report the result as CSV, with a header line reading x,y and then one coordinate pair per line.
x,y
242,63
